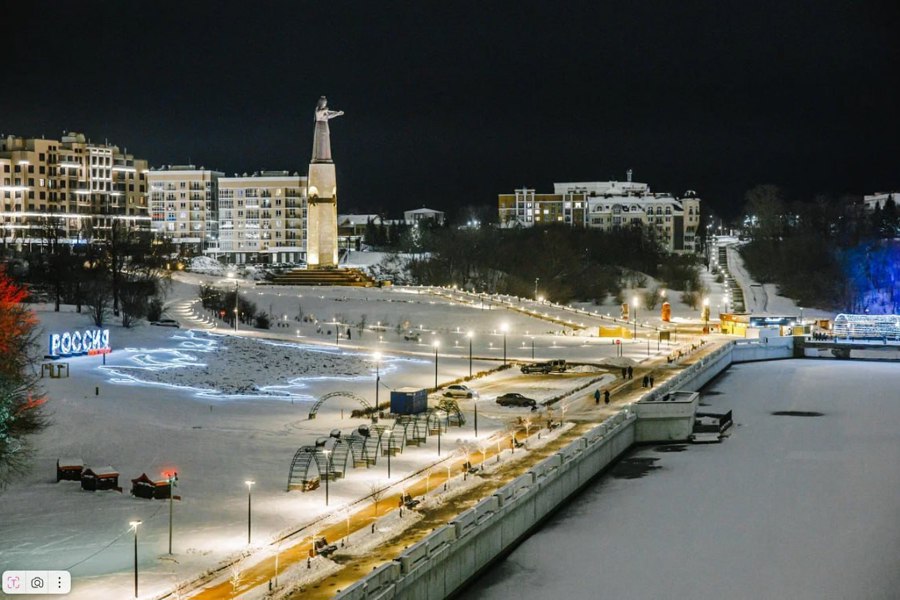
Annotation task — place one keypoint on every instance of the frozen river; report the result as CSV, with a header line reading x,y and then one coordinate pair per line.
x,y
797,505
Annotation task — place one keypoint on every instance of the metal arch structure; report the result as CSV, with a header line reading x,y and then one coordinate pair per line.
x,y
321,401
364,445
336,464
298,477
454,414
397,437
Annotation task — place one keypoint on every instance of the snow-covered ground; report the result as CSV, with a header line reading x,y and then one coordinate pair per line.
x,y
786,507
222,408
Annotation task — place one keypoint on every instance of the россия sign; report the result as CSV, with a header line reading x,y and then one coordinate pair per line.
x,y
74,343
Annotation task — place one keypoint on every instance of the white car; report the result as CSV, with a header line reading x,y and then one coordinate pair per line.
x,y
460,391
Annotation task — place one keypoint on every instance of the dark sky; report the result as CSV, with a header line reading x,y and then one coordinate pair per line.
x,y
450,103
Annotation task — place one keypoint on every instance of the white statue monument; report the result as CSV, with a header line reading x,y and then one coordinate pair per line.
x,y
321,215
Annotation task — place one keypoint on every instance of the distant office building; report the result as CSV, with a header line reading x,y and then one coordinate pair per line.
x,y
607,205
72,186
879,199
184,206
413,217
262,218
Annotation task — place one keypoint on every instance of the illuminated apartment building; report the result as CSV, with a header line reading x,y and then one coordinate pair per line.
x,y
69,189
607,205
184,206
262,218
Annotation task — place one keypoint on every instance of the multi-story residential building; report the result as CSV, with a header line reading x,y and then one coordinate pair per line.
x,y
71,186
879,199
262,218
184,206
412,217
607,205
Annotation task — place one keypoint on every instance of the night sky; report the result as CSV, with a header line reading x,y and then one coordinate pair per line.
x,y
450,103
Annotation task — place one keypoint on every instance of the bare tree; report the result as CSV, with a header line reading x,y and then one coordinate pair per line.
x,y
236,575
98,296
376,493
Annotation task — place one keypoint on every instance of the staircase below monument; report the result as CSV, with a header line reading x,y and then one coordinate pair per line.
x,y
343,277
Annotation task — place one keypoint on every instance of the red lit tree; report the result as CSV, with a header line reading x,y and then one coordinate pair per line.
x,y
20,404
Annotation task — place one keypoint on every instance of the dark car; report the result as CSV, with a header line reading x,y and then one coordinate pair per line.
x,y
516,399
550,366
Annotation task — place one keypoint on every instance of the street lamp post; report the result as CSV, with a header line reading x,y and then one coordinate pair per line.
x,y
134,526
249,483
389,433
436,344
173,477
504,327
536,280
475,406
327,454
377,376
469,335
236,313
635,303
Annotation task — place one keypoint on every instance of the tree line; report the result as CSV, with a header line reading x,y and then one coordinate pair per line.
x,y
123,275
826,252
564,263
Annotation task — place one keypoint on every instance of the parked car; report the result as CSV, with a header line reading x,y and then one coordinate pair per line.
x,y
411,336
550,366
516,399
460,391
165,323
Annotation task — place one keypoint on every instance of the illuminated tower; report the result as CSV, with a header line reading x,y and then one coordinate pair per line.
x,y
321,216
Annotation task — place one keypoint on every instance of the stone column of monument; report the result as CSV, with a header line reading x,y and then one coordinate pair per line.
x,y
321,214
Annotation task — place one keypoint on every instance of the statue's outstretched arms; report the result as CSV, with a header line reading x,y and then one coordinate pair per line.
x,y
330,114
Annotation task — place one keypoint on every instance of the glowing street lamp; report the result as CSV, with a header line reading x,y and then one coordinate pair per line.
x,y
249,484
504,328
134,525
469,335
236,304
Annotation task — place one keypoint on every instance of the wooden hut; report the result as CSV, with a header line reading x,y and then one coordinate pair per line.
x,y
144,487
69,469
100,478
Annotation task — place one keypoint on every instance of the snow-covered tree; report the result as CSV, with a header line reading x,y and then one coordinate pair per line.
x,y
20,403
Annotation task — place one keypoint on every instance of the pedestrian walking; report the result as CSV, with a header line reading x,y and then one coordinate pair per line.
x,y
645,382
624,373
606,396
630,373
651,381
597,397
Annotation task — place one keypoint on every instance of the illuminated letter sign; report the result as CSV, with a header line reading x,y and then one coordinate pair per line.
x,y
75,343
